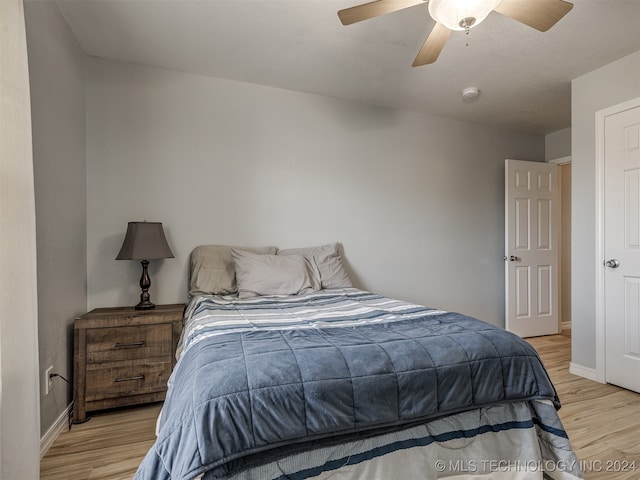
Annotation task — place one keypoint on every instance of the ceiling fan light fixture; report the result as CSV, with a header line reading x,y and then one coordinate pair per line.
x,y
461,14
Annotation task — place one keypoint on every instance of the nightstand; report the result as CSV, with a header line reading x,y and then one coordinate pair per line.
x,y
123,356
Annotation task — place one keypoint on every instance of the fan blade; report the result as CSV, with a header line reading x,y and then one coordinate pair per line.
x,y
539,14
374,9
432,46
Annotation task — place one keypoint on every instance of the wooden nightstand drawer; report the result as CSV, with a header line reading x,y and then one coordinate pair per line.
x,y
121,379
128,343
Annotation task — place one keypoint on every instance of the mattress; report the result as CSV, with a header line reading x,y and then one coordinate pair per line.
x,y
340,380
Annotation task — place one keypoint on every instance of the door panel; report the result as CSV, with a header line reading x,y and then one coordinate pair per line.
x,y
545,295
522,223
632,297
531,244
545,229
523,292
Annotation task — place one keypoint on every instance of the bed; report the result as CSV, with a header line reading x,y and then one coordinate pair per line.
x,y
286,371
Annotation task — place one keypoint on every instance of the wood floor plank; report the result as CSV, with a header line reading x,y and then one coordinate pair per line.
x,y
603,423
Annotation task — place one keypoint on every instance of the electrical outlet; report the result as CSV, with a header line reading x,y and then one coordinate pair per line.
x,y
48,381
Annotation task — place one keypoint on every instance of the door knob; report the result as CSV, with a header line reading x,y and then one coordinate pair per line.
x,y
511,258
613,263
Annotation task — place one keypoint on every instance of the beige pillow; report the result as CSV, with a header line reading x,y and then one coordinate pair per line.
x,y
212,269
274,275
332,271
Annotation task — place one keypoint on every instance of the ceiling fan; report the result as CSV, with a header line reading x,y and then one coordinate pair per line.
x,y
459,15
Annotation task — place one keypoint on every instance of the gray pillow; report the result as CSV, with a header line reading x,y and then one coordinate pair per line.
x,y
274,275
212,269
332,271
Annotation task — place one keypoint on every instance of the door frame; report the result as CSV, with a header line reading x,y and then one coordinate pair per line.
x,y
601,116
564,322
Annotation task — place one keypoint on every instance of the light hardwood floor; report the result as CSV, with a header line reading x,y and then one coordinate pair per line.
x,y
603,423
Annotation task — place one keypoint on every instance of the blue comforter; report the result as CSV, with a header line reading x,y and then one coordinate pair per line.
x,y
259,374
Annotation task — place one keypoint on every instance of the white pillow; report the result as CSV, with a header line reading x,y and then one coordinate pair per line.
x,y
332,271
273,275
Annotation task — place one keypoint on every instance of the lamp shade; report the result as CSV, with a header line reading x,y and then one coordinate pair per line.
x,y
144,241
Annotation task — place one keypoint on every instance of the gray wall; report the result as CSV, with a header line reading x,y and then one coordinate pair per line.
x,y
57,78
600,89
417,201
558,144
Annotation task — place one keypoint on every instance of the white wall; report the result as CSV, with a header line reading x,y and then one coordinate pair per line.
x,y
558,144
602,88
416,201
57,78
19,416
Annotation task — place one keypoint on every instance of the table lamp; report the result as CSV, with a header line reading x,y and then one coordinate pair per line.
x,y
144,241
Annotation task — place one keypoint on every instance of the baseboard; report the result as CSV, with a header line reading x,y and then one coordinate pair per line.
x,y
50,435
565,326
581,371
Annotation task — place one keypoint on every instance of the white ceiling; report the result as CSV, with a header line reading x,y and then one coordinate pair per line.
x,y
524,76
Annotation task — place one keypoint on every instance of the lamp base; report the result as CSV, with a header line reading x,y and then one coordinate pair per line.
x,y
144,305
145,283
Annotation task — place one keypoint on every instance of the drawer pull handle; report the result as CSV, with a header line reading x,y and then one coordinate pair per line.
x,y
130,344
129,379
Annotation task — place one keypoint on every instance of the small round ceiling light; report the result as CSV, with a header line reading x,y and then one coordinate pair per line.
x,y
469,94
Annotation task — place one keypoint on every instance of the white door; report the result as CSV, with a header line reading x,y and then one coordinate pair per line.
x,y
622,248
531,248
